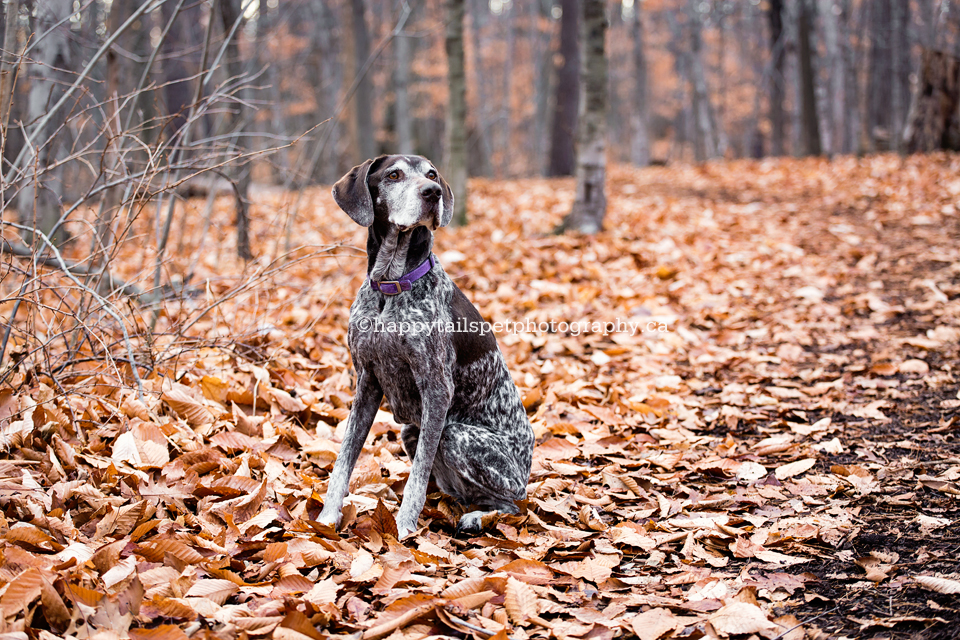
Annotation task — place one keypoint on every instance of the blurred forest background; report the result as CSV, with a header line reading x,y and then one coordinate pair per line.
x,y
115,114
105,100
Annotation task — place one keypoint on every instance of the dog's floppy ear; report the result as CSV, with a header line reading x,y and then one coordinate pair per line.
x,y
447,214
353,195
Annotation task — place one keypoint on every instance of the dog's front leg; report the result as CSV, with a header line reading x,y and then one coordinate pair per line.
x,y
436,396
366,402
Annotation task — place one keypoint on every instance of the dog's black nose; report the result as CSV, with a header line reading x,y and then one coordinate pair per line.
x,y
431,193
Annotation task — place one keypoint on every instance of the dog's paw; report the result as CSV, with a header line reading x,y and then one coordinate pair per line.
x,y
472,523
330,517
404,531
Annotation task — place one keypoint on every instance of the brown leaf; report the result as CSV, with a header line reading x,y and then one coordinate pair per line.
x,y
218,591
940,585
653,624
161,632
22,590
739,618
520,601
383,521
401,613
193,411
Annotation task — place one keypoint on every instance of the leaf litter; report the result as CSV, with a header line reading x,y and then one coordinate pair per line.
x,y
773,456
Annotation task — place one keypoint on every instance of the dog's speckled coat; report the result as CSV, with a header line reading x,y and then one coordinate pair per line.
x,y
463,419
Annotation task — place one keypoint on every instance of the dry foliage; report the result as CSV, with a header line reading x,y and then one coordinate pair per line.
x,y
732,476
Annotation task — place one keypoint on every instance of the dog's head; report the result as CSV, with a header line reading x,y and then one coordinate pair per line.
x,y
406,191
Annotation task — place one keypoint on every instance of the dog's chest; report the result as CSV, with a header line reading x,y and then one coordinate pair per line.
x,y
388,341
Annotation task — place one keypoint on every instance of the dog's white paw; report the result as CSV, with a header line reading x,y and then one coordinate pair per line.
x,y
330,517
405,530
471,522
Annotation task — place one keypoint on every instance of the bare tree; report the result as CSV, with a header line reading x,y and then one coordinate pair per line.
x,y
362,111
38,202
562,154
590,203
236,123
834,67
8,59
401,82
640,144
706,141
810,121
777,114
323,75
455,160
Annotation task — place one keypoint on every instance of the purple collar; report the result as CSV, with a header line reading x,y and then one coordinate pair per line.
x,y
393,287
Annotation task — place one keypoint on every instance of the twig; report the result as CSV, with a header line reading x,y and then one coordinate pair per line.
x,y
67,266
105,304
164,235
466,624
39,126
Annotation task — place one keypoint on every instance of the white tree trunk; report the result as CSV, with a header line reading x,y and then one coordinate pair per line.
x,y
833,132
455,160
706,143
38,202
590,204
640,142
403,123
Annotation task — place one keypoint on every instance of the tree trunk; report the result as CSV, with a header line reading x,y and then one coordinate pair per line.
x,y
507,20
38,202
363,98
777,113
851,86
810,121
934,119
706,145
900,58
543,58
880,85
403,123
117,67
833,137
566,106
322,72
236,123
8,64
456,131
590,204
640,144
178,65
481,133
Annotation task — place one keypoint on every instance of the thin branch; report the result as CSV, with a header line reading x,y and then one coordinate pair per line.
x,y
107,306
39,126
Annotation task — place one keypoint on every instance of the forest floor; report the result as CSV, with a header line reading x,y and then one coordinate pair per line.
x,y
774,455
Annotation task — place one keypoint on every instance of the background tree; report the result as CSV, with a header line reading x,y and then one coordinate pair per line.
x,y
640,147
38,201
566,103
590,204
777,46
810,119
455,162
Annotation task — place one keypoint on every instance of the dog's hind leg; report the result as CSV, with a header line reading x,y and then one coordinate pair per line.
x,y
479,466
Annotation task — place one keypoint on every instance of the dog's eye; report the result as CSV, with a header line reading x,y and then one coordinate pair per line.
x,y
432,175
394,175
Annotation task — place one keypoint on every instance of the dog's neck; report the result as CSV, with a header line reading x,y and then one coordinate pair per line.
x,y
392,253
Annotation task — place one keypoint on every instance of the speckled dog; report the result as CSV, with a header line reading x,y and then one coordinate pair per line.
x,y
416,339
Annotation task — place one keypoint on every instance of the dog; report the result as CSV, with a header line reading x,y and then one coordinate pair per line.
x,y
442,374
